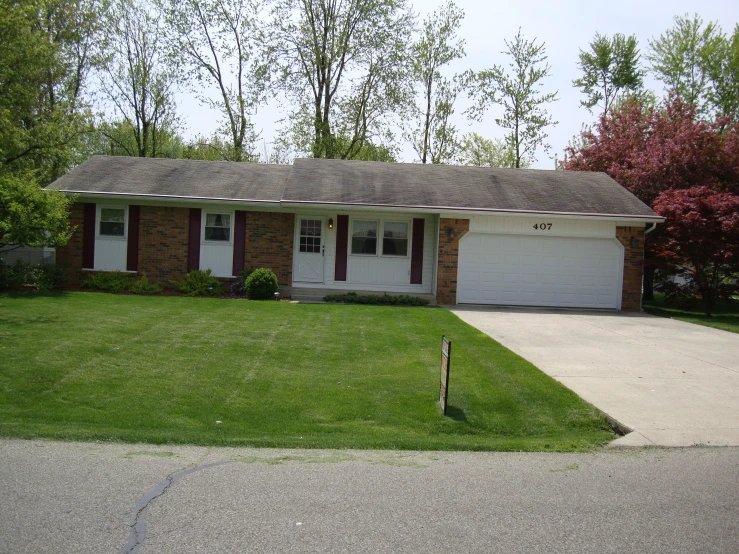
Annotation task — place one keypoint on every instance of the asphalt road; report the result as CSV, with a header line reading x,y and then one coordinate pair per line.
x,y
71,497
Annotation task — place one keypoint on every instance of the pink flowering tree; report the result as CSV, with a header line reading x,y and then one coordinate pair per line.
x,y
650,150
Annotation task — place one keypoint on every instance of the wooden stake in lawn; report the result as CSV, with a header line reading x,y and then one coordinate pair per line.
x,y
446,352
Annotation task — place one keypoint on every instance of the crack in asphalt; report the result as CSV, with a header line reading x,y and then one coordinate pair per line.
x,y
137,535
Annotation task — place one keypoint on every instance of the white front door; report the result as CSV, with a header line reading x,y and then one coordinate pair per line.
x,y
309,249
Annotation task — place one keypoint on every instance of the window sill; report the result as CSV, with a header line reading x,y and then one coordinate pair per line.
x,y
386,256
87,269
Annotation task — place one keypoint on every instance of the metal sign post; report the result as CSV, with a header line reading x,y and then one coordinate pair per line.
x,y
446,353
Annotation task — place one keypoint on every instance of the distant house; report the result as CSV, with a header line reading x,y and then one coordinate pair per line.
x,y
29,255
458,234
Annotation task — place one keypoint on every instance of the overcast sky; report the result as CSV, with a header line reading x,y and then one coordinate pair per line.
x,y
565,26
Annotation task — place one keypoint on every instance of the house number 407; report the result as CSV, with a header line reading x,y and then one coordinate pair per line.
x,y
543,226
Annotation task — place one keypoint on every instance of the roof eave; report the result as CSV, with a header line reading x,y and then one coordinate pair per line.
x,y
167,197
470,211
302,204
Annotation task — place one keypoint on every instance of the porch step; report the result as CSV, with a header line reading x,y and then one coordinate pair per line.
x,y
311,295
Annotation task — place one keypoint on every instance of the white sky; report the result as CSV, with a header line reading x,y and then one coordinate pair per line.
x,y
566,26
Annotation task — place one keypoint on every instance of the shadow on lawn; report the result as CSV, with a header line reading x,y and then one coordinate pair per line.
x,y
457,414
20,319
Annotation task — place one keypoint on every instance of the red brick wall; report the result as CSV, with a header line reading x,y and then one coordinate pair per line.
x,y
163,240
269,243
446,279
633,266
70,257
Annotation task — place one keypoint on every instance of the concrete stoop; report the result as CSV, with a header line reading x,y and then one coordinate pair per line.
x,y
311,295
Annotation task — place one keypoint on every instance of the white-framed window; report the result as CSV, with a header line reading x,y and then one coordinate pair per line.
x,y
112,222
217,227
364,238
380,237
310,235
395,238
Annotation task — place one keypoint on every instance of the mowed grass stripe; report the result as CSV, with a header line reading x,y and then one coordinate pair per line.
x,y
90,366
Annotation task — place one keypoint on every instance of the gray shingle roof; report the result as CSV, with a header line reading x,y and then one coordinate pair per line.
x,y
178,178
315,181
459,187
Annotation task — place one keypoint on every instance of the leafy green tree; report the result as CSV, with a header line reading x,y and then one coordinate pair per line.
x,y
517,90
478,151
45,58
432,135
279,151
216,41
370,152
345,67
30,216
214,148
682,59
118,138
723,93
610,69
137,79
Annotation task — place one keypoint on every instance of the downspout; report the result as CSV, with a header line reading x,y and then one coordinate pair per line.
x,y
646,232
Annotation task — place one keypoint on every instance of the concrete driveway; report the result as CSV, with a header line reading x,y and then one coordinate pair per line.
x,y
672,383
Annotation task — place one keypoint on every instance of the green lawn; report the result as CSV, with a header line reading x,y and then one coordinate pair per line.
x,y
92,366
725,315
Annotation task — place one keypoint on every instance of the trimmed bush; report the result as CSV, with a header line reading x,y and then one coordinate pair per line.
x,y
238,287
386,299
14,275
261,284
199,283
117,281
42,277
48,276
112,281
143,286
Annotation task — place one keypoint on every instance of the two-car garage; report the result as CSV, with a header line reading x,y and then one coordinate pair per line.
x,y
535,268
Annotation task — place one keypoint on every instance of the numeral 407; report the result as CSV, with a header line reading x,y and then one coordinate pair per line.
x,y
543,226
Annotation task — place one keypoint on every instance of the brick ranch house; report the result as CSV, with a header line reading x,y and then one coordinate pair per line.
x,y
452,234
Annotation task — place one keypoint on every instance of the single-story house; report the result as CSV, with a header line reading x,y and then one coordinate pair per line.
x,y
450,233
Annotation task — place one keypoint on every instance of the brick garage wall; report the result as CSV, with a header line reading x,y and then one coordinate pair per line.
x,y
269,243
70,257
163,242
446,279
633,266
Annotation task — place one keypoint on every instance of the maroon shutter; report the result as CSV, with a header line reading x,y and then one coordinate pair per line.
x,y
239,230
417,251
88,236
193,249
132,255
342,247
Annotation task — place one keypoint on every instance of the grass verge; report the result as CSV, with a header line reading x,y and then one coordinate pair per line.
x,y
725,315
91,366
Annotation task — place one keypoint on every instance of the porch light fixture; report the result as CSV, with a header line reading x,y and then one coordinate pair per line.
x,y
330,222
450,232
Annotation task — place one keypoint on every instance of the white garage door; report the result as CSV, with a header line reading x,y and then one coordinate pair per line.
x,y
539,271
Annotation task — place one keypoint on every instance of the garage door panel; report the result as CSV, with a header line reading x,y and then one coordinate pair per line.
x,y
539,271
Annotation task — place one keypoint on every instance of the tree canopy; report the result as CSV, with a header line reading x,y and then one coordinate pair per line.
x,y
610,69
344,66
432,136
30,216
517,90
699,243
